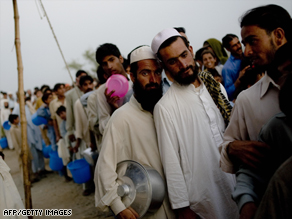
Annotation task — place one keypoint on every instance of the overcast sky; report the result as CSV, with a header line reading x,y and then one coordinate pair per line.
x,y
81,25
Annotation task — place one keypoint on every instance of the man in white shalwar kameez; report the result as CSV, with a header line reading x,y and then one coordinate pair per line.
x,y
9,195
131,135
5,112
111,60
190,129
82,132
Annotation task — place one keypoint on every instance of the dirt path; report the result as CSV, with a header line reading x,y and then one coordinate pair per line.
x,y
53,192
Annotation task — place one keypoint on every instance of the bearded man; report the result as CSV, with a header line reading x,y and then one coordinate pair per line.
x,y
130,135
190,129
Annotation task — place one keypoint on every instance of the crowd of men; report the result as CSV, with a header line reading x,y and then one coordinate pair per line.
x,y
217,128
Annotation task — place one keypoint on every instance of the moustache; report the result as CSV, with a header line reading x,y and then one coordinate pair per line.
x,y
185,69
156,85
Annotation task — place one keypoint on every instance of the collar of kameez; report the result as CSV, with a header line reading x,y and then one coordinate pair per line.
x,y
267,81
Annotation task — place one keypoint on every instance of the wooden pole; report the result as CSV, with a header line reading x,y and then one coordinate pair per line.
x,y
23,122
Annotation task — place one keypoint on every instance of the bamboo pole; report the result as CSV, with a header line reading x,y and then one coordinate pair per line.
x,y
23,121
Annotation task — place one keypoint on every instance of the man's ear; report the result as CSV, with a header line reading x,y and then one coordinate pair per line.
x,y
191,50
132,77
279,37
121,59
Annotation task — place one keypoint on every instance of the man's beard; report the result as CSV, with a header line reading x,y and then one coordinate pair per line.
x,y
184,81
147,98
270,56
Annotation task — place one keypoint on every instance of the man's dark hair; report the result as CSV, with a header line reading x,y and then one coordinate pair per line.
x,y
227,39
46,90
180,29
57,86
100,74
169,41
43,87
283,54
60,110
268,17
284,96
12,117
45,97
2,155
106,50
79,72
85,78
126,63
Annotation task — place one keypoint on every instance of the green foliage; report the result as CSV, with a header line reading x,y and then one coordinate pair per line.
x,y
90,65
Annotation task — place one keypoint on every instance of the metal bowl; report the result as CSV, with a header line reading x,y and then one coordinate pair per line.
x,y
141,187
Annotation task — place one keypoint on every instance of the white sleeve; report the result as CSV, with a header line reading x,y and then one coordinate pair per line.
x,y
236,130
105,176
104,111
169,152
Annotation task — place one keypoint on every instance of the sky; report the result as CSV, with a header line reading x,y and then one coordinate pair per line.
x,y
82,25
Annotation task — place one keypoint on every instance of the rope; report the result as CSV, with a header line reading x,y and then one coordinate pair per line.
x,y
45,14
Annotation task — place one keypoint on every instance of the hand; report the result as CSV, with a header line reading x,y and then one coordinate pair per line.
x,y
93,147
45,127
58,137
251,153
128,213
72,137
186,213
75,149
248,211
112,101
242,72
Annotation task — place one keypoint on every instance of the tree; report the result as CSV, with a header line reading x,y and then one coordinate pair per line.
x,y
90,65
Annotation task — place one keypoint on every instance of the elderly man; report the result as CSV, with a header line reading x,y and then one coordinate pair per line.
x,y
130,135
262,36
190,129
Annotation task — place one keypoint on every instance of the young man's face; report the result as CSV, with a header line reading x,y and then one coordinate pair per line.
x,y
259,46
49,100
61,91
63,115
87,86
112,65
16,121
235,47
178,60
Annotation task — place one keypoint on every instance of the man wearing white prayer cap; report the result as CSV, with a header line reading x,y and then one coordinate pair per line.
x,y
130,135
190,129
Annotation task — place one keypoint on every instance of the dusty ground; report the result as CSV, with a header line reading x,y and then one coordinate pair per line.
x,y
53,192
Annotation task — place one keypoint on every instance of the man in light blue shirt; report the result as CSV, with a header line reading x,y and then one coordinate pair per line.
x,y
166,81
231,70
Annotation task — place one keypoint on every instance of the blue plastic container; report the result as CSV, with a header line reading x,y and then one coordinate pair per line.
x,y
47,150
3,143
38,120
6,125
80,170
56,162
